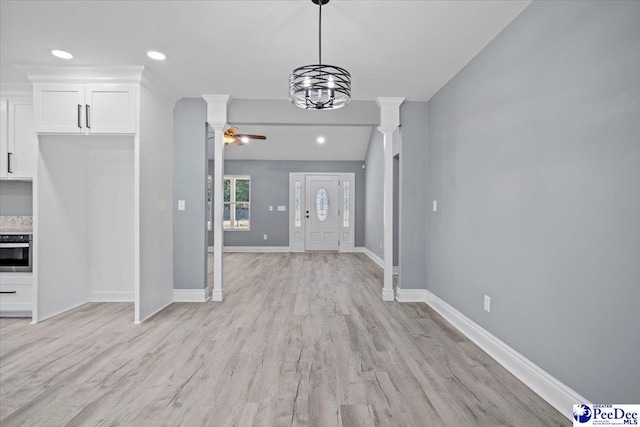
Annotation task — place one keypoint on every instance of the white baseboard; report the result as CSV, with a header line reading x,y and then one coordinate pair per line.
x,y
410,295
549,388
190,295
112,297
34,321
370,254
216,295
375,258
154,313
256,249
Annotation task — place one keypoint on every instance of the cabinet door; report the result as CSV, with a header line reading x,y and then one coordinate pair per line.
x,y
4,139
23,142
111,108
59,108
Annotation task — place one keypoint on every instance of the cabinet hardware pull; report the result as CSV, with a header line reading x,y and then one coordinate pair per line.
x,y
87,118
79,113
13,245
8,292
9,168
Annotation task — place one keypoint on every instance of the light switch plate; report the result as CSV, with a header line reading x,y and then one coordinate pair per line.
x,y
270,208
181,205
435,206
282,208
487,303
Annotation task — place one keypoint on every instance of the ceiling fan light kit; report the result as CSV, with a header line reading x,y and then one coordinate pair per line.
x,y
320,86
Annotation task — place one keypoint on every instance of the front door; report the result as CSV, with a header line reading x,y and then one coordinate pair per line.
x,y
322,222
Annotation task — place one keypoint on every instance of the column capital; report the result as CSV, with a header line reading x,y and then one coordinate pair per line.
x,y
389,112
217,109
387,129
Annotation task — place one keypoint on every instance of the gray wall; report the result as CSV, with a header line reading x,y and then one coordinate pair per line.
x,y
534,157
374,195
190,184
270,186
16,198
413,198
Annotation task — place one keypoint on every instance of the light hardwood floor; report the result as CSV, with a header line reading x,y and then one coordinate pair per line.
x,y
301,339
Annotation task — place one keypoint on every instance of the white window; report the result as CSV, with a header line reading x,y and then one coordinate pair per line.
x,y
237,202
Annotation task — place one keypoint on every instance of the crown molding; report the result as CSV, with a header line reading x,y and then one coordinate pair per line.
x,y
154,84
117,74
16,90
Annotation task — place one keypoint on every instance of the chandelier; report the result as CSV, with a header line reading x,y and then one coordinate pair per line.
x,y
320,86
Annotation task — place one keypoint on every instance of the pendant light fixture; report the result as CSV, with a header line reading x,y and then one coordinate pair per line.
x,y
320,86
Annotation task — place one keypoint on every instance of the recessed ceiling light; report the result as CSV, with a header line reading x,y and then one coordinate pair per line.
x,y
61,54
158,56
320,140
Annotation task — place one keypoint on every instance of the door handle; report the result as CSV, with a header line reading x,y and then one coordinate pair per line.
x,y
87,117
79,114
9,168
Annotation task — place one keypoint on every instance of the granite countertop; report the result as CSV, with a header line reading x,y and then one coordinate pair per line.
x,y
16,225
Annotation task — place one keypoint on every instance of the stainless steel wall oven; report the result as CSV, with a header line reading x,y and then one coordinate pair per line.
x,y
16,252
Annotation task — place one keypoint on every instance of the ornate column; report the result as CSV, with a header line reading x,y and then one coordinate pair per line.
x,y
389,122
217,118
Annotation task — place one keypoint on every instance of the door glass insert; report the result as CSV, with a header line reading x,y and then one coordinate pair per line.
x,y
322,204
297,205
345,208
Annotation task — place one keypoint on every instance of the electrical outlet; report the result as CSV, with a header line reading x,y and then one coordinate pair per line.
x,y
265,237
487,303
181,205
435,206
270,208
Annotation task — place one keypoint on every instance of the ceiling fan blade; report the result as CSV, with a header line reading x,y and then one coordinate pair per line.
x,y
239,142
246,135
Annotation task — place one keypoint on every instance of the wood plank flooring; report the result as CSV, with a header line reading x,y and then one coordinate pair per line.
x,y
300,340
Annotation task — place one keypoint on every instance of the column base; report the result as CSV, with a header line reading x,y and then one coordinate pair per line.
x,y
216,296
387,294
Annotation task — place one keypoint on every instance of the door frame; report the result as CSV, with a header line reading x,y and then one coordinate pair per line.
x,y
297,233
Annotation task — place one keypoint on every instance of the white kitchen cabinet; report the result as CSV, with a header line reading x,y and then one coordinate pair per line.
x,y
85,109
16,294
18,144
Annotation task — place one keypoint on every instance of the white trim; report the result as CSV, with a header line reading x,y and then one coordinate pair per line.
x,y
371,255
216,295
549,388
34,321
410,295
253,249
112,297
190,295
154,313
83,74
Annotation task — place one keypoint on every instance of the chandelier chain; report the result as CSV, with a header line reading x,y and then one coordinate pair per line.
x,y
320,34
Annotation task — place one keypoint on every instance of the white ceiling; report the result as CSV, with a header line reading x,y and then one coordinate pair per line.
x,y
299,143
248,48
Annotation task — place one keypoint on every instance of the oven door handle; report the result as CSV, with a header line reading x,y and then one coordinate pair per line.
x,y
14,245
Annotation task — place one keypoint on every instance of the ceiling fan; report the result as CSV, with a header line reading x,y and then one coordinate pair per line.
x,y
231,136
